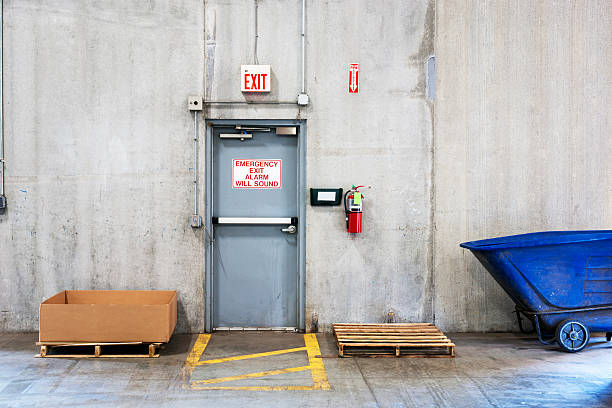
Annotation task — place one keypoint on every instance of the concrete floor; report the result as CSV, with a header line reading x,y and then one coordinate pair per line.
x,y
497,370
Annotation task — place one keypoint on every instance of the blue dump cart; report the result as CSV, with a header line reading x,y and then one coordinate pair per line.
x,y
560,280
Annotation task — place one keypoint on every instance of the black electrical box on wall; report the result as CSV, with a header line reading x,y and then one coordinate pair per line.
x,y
325,196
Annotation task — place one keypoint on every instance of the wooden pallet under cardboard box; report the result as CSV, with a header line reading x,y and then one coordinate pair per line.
x,y
392,339
83,350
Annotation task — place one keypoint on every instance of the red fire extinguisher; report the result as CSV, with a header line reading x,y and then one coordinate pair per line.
x,y
353,207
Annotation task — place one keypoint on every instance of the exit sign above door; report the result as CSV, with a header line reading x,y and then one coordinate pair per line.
x,y
255,78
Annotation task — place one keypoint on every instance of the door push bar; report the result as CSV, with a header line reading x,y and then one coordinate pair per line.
x,y
255,220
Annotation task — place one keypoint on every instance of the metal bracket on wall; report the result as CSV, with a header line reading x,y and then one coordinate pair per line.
x,y
430,76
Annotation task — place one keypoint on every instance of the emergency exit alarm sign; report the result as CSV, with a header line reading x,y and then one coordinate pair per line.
x,y
256,173
255,78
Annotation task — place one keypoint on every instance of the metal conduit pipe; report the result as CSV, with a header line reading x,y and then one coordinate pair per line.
x,y
2,197
250,102
303,46
195,163
255,59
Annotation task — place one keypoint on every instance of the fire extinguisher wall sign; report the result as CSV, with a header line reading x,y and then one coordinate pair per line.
x,y
353,207
353,83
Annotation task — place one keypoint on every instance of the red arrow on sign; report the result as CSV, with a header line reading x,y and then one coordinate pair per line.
x,y
354,78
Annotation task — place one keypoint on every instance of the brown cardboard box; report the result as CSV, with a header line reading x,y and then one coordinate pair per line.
x,y
108,316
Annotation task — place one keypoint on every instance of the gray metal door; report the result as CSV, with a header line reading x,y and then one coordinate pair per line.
x,y
254,256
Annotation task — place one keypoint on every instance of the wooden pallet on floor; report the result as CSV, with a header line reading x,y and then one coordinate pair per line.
x,y
392,340
100,350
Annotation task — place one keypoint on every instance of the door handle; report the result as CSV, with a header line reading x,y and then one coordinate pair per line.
x,y
254,220
291,229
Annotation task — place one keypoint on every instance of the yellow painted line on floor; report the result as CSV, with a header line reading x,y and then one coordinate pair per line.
x,y
194,356
259,388
247,356
317,369
315,365
252,375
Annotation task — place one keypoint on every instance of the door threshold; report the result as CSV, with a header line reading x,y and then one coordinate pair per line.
x,y
275,329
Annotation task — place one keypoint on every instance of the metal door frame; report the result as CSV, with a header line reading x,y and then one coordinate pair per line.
x,y
301,204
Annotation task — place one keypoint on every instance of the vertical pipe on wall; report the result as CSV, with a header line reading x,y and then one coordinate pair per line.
x,y
303,46
255,59
2,202
195,162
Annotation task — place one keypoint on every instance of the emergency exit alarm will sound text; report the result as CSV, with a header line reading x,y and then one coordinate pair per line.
x,y
256,173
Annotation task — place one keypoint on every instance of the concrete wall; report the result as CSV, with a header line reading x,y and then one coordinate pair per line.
x,y
99,149
98,152
380,137
522,139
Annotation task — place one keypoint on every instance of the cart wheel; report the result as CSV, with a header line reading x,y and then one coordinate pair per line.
x,y
572,335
